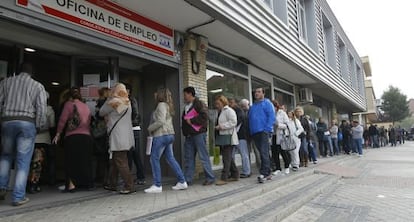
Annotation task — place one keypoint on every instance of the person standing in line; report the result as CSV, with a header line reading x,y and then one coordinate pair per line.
x,y
226,126
357,131
194,127
373,136
162,130
23,113
245,106
346,132
334,135
78,143
242,133
117,110
295,130
324,137
311,139
392,135
282,120
261,121
42,146
304,137
134,155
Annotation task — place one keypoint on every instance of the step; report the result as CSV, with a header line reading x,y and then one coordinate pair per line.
x,y
275,204
202,208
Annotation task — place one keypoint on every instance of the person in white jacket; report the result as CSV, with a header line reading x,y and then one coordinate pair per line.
x,y
226,125
282,121
296,129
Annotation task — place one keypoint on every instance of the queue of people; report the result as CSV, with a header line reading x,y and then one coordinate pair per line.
x,y
111,133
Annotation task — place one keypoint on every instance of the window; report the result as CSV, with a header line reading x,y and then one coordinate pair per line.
x,y
359,79
302,20
278,8
352,73
306,19
223,83
329,42
343,62
285,99
258,83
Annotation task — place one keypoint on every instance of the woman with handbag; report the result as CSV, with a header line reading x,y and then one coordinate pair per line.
x,y
296,129
117,110
78,143
226,138
281,131
162,131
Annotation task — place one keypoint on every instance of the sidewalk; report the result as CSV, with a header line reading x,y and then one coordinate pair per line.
x,y
106,206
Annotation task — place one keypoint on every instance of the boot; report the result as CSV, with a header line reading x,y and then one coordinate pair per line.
x,y
305,162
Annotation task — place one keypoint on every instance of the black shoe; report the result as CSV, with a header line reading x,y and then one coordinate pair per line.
x,y
66,190
20,202
295,168
140,182
3,193
245,176
109,188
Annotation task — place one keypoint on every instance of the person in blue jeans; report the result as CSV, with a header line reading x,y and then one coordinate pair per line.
x,y
162,130
357,132
194,128
262,117
23,113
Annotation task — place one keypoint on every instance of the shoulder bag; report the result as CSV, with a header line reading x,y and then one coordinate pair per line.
x,y
287,143
74,120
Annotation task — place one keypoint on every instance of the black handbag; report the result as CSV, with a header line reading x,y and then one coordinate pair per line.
x,y
223,140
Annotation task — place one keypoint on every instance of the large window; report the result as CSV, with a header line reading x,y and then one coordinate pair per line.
x,y
329,42
302,20
343,59
258,83
284,93
278,8
229,85
352,73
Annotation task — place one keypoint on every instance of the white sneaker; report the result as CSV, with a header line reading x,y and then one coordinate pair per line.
x,y
180,186
277,172
287,171
153,189
360,155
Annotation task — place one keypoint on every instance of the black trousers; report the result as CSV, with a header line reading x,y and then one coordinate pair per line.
x,y
229,166
276,151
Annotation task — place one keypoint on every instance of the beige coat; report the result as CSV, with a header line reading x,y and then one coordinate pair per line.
x,y
227,122
162,121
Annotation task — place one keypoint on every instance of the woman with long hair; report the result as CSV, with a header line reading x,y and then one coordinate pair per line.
x,y
296,129
162,131
117,110
78,143
282,121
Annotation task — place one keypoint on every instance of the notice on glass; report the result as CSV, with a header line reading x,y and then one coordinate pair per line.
x,y
91,79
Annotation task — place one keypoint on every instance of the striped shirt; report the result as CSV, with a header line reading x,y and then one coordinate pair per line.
x,y
22,98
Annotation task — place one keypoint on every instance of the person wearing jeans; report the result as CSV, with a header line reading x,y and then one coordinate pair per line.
x,y
194,127
23,112
242,133
162,130
357,131
261,120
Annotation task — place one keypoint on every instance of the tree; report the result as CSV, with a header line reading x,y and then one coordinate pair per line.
x,y
395,104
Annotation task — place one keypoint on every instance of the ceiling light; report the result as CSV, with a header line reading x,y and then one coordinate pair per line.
x,y
27,49
55,84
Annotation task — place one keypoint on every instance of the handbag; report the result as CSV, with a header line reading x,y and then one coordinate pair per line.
x,y
287,143
223,140
74,120
98,128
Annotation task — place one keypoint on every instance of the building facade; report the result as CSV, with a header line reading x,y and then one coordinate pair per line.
x,y
295,49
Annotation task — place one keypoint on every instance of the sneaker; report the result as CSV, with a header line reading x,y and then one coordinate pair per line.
x,y
3,193
277,172
180,186
295,168
153,189
360,155
315,162
208,183
21,202
287,171
126,192
261,179
245,175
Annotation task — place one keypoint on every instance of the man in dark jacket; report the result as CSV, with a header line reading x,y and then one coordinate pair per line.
x,y
194,127
346,132
242,133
